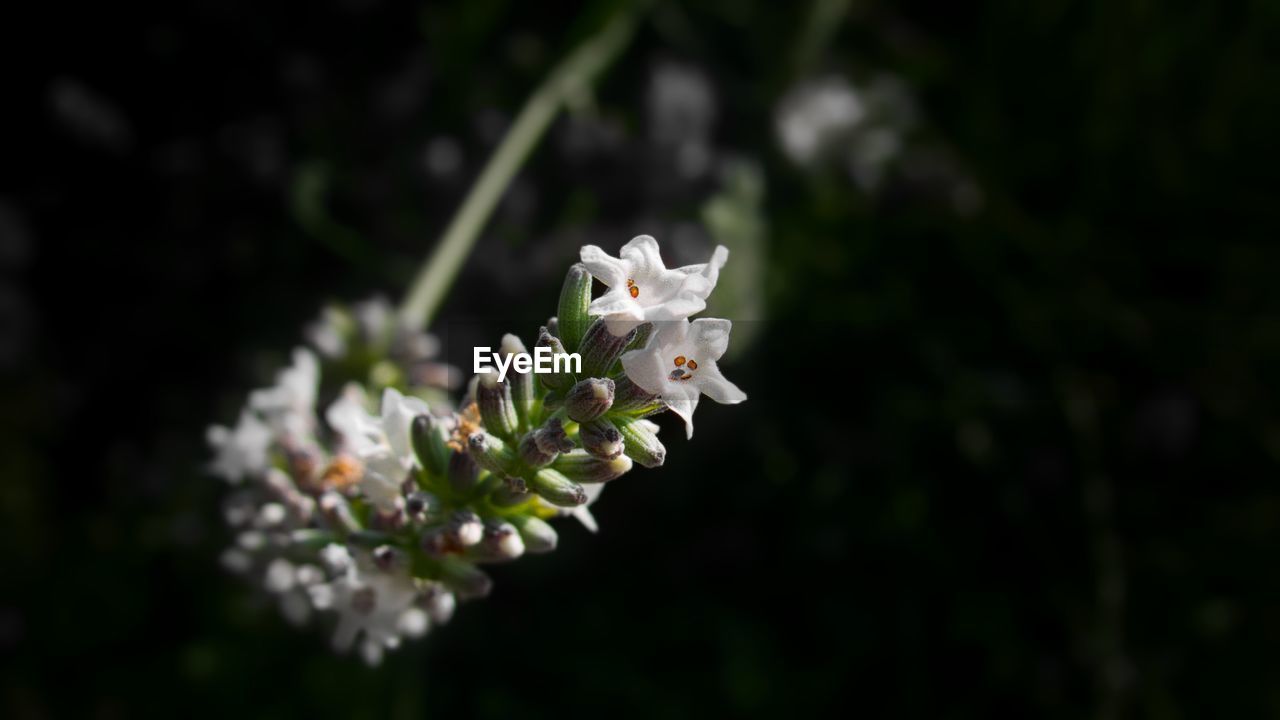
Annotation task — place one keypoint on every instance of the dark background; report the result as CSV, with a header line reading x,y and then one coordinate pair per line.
x,y
1015,462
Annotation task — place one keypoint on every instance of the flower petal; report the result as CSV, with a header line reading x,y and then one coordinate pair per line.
x,y
617,303
709,270
709,380
645,368
675,309
683,401
710,336
642,252
607,269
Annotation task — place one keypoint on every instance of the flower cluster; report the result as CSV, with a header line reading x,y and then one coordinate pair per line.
x,y
385,517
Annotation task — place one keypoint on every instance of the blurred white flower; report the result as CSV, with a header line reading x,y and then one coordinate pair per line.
x,y
375,605
814,116
289,405
831,119
241,451
681,112
382,443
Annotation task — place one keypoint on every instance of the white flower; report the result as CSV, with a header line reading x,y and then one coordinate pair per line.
x,y
241,451
376,605
382,443
816,116
289,405
679,365
642,289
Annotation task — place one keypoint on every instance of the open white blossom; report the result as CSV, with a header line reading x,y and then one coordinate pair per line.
x,y
376,605
382,443
679,365
289,405
642,289
242,451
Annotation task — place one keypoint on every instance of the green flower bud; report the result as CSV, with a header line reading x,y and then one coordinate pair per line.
x,y
553,401
538,535
601,439
589,399
575,296
523,390
551,437
464,578
557,489
532,454
634,400
641,338
554,380
640,438
601,349
463,473
429,438
492,454
497,410
512,492
583,467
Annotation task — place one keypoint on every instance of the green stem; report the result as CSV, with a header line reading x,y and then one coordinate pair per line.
x,y
567,81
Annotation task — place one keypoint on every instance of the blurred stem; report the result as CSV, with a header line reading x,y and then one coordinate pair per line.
x,y
566,84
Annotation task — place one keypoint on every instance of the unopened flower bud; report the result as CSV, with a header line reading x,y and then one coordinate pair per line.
x,y
501,542
643,332
522,385
497,410
386,558
464,578
553,400
416,504
554,380
335,509
463,472
634,400
491,453
465,527
532,454
640,438
429,444
511,492
589,399
582,467
552,438
557,489
601,349
439,603
553,325
538,535
601,439
575,297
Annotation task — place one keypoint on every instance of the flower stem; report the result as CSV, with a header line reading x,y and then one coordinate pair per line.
x,y
567,82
